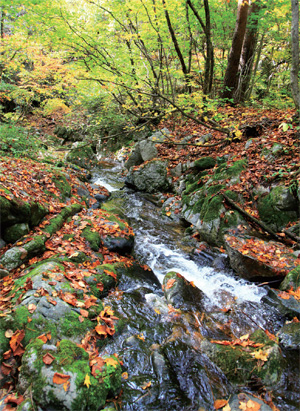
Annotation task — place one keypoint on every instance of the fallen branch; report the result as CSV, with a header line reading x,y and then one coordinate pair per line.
x,y
255,220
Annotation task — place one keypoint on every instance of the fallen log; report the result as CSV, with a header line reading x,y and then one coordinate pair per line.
x,y
261,224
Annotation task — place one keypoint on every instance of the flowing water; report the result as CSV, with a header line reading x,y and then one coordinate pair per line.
x,y
158,243
161,244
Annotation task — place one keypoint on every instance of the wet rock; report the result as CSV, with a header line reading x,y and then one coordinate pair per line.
x,y
134,159
240,365
171,208
289,336
239,401
119,245
160,136
3,273
181,293
288,306
135,276
292,280
194,373
249,265
150,177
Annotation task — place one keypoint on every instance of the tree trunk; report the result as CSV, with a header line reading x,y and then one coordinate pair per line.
x,y
177,48
248,53
209,58
295,55
231,78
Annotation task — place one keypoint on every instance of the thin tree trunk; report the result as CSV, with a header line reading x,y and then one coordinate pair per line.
x,y
177,48
231,78
209,58
295,55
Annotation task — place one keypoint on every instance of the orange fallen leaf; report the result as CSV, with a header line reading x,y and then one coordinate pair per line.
x,y
125,375
170,283
84,313
6,368
31,308
14,399
220,404
43,337
249,406
146,385
59,378
48,359
111,361
101,329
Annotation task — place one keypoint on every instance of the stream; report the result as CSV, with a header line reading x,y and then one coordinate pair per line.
x,y
161,244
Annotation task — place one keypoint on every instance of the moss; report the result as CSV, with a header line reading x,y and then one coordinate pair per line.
x,y
235,170
292,280
70,326
271,214
35,327
232,195
38,212
211,208
62,184
93,238
205,163
56,222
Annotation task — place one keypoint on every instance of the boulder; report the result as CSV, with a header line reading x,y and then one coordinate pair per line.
x,y
82,155
181,293
147,150
252,258
278,208
243,401
134,159
150,177
16,231
61,385
289,336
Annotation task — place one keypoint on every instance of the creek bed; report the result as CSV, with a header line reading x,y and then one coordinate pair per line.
x,y
159,244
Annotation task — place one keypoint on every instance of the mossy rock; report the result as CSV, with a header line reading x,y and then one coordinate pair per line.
x,y
205,163
223,172
278,208
292,280
82,156
239,364
15,232
72,361
92,237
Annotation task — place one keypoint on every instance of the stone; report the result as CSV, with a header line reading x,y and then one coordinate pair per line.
x,y
134,159
148,150
82,155
181,293
151,177
239,401
15,232
205,163
289,336
160,136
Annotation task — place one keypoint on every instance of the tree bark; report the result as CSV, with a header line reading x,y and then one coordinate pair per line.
x,y
295,55
248,53
231,78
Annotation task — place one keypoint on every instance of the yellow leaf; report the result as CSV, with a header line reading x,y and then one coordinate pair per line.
x,y
125,375
157,310
111,361
261,354
227,408
141,337
146,385
87,381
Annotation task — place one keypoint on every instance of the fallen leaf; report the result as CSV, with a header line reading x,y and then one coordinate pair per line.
x,y
9,333
125,375
101,329
59,378
48,359
6,368
261,354
170,283
250,406
84,313
111,361
146,385
31,308
16,339
220,404
43,338
14,399
87,381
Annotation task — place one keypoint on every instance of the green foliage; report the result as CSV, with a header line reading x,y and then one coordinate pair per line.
x,y
18,142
